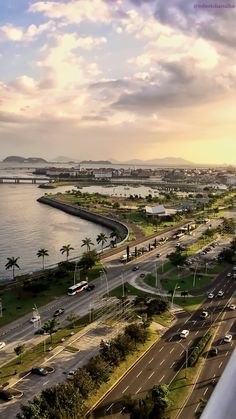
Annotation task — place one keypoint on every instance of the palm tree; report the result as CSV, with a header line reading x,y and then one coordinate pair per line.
x,y
116,236
12,264
41,253
87,242
102,238
50,326
66,249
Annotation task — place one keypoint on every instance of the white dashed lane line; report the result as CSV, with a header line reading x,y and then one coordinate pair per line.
x,y
161,349
149,362
150,376
205,391
140,388
139,374
162,362
220,364
125,390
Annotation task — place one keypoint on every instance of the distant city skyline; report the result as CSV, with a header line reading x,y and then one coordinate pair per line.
x,y
127,79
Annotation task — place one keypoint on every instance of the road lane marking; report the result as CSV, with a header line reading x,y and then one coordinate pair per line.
x,y
161,349
107,410
178,330
172,350
150,360
161,378
162,362
151,375
196,408
220,364
226,353
170,339
182,353
196,332
172,365
125,389
205,391
46,382
139,374
140,388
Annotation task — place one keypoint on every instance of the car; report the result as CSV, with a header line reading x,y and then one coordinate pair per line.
x,y
210,296
213,351
142,275
220,293
35,318
204,314
232,307
2,344
229,274
90,287
228,338
70,376
158,255
39,371
184,333
6,395
59,312
41,332
135,268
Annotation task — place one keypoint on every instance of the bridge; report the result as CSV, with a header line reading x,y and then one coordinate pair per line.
x,y
17,180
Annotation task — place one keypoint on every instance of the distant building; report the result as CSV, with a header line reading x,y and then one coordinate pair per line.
x,y
159,211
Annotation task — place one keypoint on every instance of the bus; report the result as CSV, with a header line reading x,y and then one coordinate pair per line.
x,y
77,288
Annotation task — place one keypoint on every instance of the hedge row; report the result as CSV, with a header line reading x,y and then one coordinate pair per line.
x,y
197,351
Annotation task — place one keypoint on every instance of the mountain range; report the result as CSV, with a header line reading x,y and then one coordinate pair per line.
x,y
166,161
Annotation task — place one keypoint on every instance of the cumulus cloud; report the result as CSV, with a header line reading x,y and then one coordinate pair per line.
x,y
19,34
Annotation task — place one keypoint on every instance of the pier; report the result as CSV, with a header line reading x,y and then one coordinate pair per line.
x,y
18,180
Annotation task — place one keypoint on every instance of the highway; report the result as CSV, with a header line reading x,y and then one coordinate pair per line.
x,y
161,363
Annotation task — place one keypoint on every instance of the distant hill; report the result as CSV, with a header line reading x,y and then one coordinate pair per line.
x,y
166,161
18,159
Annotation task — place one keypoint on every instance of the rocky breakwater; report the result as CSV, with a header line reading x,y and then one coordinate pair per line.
x,y
114,225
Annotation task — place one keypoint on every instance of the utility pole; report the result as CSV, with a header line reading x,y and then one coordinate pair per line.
x,y
0,307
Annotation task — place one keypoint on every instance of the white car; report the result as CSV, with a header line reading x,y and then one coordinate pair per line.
x,y
228,338
232,307
220,293
2,344
211,295
35,319
184,333
229,274
70,376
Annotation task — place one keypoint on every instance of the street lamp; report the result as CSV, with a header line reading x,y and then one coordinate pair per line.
x,y
156,275
173,295
105,276
194,275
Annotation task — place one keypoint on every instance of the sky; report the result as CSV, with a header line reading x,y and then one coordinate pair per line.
x,y
121,79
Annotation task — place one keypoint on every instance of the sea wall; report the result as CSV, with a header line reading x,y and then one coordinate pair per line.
x,y
114,225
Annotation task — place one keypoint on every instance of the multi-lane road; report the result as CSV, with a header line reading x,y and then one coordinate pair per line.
x,y
165,355
162,362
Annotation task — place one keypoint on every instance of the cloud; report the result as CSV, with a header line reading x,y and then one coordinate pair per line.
x,y
20,34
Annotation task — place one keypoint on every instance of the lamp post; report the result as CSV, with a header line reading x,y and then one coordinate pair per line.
x,y
194,275
0,307
75,273
156,275
105,276
173,295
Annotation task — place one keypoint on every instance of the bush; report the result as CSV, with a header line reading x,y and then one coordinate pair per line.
x,y
197,351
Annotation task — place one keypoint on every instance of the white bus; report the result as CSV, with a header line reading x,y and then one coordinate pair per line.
x,y
77,288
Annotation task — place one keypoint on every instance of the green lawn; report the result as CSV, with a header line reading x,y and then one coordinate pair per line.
x,y
129,290
186,283
150,280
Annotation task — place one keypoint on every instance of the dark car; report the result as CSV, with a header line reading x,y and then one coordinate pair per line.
x,y
213,351
6,395
59,312
40,332
90,287
142,275
135,268
158,255
39,371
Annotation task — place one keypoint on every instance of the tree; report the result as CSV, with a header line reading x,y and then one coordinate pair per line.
x,y
87,242
160,397
19,351
50,326
98,369
102,238
136,332
116,236
177,257
88,260
66,249
12,264
110,353
83,382
41,253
